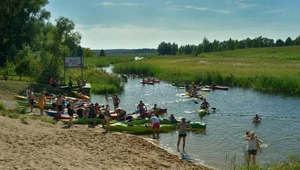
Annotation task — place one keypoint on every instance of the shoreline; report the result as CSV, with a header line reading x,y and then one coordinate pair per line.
x,y
41,145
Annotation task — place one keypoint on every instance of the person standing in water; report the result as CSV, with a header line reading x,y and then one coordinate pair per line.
x,y
252,147
183,127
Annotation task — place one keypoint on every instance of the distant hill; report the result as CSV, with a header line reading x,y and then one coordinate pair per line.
x,y
127,51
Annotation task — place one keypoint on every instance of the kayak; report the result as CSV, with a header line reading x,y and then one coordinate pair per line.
x,y
217,87
202,112
20,97
139,128
197,126
48,105
80,95
84,121
147,82
53,113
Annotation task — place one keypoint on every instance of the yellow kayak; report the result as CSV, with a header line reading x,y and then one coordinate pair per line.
x,y
20,97
80,95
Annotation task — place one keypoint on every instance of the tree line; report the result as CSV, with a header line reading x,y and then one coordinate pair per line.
x,y
207,46
30,45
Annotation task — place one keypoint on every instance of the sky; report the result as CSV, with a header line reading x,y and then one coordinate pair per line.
x,y
135,24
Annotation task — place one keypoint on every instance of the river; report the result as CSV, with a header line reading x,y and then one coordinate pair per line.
x,y
223,141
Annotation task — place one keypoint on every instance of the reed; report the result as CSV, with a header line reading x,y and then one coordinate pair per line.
x,y
99,79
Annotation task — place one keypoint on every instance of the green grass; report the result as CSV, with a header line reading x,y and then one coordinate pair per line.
x,y
274,69
107,60
24,121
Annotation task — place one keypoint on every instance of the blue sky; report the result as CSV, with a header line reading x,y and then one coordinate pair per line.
x,y
131,24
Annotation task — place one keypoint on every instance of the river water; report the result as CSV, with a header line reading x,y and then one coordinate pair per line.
x,y
222,143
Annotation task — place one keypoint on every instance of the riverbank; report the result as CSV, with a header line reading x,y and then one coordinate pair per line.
x,y
39,145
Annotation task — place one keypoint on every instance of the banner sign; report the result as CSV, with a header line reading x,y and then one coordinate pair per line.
x,y
73,62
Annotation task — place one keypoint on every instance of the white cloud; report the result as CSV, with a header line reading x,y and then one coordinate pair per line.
x,y
277,11
208,9
174,8
133,36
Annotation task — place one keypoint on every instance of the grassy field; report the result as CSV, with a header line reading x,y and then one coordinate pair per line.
x,y
269,69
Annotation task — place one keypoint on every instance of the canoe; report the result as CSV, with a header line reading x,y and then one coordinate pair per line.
x,y
217,87
139,128
80,95
84,121
202,112
20,97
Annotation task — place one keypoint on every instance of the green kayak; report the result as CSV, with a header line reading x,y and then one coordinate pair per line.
x,y
139,128
83,121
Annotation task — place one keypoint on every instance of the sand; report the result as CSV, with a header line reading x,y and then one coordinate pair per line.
x,y
41,145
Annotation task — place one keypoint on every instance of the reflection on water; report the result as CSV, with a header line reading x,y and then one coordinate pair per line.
x,y
223,141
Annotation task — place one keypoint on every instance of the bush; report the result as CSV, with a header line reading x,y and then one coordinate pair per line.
x,y
2,107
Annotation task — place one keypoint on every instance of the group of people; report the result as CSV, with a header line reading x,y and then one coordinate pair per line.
x,y
183,127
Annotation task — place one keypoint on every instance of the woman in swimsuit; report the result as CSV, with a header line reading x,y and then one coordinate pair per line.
x,y
41,103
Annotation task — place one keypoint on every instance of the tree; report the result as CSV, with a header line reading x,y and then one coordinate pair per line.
x,y
297,40
288,41
279,43
102,53
21,22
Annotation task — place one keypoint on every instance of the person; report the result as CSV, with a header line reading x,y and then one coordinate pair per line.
x,y
256,118
187,87
59,107
41,103
155,125
155,110
252,147
81,112
27,92
106,95
70,82
141,107
92,113
31,99
183,127
204,104
63,102
70,108
51,82
107,117
121,113
102,118
172,119
116,101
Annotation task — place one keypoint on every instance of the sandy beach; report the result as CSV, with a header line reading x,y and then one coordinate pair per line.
x,y
40,145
